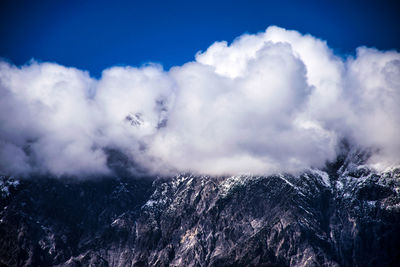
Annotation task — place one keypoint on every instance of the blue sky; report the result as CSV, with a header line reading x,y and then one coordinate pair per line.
x,y
93,35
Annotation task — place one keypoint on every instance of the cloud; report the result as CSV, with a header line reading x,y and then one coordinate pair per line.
x,y
268,102
372,84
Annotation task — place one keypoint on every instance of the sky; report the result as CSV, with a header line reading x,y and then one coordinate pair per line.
x,y
210,89
94,35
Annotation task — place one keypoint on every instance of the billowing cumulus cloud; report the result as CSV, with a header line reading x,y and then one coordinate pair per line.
x,y
268,102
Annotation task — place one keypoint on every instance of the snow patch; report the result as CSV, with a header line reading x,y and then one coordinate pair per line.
x,y
324,176
6,184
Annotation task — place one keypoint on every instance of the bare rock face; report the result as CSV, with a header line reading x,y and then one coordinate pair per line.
x,y
343,215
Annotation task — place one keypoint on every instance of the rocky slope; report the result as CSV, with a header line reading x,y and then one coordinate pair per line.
x,y
344,215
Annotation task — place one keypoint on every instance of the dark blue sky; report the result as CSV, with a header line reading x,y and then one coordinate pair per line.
x,y
93,35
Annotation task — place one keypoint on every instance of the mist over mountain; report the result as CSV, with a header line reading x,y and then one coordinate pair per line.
x,y
275,101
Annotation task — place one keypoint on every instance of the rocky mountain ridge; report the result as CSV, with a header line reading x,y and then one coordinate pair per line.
x,y
343,215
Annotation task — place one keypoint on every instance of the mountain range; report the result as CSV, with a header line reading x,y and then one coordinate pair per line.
x,y
345,214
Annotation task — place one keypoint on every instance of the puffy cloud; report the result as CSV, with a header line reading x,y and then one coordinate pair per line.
x,y
47,114
269,102
372,83
249,123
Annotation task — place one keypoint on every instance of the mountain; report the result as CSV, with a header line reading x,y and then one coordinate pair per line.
x,y
343,215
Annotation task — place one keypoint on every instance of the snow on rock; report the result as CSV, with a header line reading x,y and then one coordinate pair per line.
x,y
6,184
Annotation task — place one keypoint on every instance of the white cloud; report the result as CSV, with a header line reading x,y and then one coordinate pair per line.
x,y
373,91
269,102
